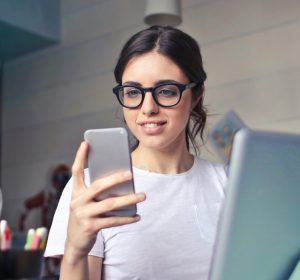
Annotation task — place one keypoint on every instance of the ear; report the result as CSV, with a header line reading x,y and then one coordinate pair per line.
x,y
198,96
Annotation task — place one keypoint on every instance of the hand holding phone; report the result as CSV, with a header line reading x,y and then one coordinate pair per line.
x,y
87,216
108,154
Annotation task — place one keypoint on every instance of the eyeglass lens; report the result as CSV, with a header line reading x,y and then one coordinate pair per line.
x,y
165,95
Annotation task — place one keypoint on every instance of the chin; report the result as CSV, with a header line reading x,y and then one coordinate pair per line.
x,y
157,144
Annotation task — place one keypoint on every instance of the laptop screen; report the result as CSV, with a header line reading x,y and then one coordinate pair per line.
x,y
259,230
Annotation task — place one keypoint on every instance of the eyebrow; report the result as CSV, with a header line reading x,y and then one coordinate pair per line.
x,y
159,82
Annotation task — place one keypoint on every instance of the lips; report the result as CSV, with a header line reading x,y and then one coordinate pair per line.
x,y
152,127
151,123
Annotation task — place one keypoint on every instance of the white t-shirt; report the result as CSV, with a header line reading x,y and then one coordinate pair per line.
x,y
174,238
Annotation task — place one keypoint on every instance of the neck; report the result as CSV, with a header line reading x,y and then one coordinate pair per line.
x,y
171,161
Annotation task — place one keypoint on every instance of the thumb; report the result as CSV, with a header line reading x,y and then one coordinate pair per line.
x,y
78,168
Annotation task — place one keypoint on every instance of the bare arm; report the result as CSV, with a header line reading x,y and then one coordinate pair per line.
x,y
74,267
89,267
95,267
86,220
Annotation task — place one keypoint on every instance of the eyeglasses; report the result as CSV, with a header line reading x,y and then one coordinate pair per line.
x,y
165,95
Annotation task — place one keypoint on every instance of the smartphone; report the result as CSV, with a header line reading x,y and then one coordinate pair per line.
x,y
109,153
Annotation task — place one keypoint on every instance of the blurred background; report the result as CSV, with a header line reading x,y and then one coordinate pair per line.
x,y
57,60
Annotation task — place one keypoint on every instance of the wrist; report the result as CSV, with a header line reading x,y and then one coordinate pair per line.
x,y
74,265
74,256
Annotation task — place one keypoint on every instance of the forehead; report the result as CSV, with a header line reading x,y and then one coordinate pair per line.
x,y
151,67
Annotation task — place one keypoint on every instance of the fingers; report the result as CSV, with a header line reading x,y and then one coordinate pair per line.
x,y
106,183
89,221
78,166
96,209
115,221
99,185
91,227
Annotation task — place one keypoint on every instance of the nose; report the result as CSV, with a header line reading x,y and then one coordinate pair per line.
x,y
149,106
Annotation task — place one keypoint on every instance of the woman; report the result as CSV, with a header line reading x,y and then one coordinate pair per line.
x,y
160,80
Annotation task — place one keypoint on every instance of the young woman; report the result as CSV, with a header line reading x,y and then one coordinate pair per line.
x,y
160,80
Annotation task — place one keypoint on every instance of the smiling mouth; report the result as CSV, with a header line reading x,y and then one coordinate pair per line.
x,y
151,124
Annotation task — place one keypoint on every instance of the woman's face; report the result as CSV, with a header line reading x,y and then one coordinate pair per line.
x,y
156,127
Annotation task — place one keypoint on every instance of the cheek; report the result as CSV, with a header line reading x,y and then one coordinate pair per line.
x,y
184,109
129,116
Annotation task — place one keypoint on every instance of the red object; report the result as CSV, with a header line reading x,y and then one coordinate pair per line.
x,y
47,199
6,239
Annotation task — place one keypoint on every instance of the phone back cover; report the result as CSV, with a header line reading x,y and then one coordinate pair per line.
x,y
109,153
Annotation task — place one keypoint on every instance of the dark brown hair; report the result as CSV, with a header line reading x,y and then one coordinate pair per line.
x,y
183,50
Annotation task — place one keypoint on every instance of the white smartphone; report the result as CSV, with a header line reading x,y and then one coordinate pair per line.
x,y
109,153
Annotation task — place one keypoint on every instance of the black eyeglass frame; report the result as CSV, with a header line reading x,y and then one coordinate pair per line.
x,y
181,87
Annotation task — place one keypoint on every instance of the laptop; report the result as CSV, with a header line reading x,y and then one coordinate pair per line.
x,y
259,229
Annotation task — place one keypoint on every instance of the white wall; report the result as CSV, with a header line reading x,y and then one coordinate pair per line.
x,y
250,50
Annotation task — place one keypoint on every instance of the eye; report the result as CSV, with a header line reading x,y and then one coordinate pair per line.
x,y
168,91
130,92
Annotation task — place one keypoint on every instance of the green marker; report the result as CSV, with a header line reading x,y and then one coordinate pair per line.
x,y
29,237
